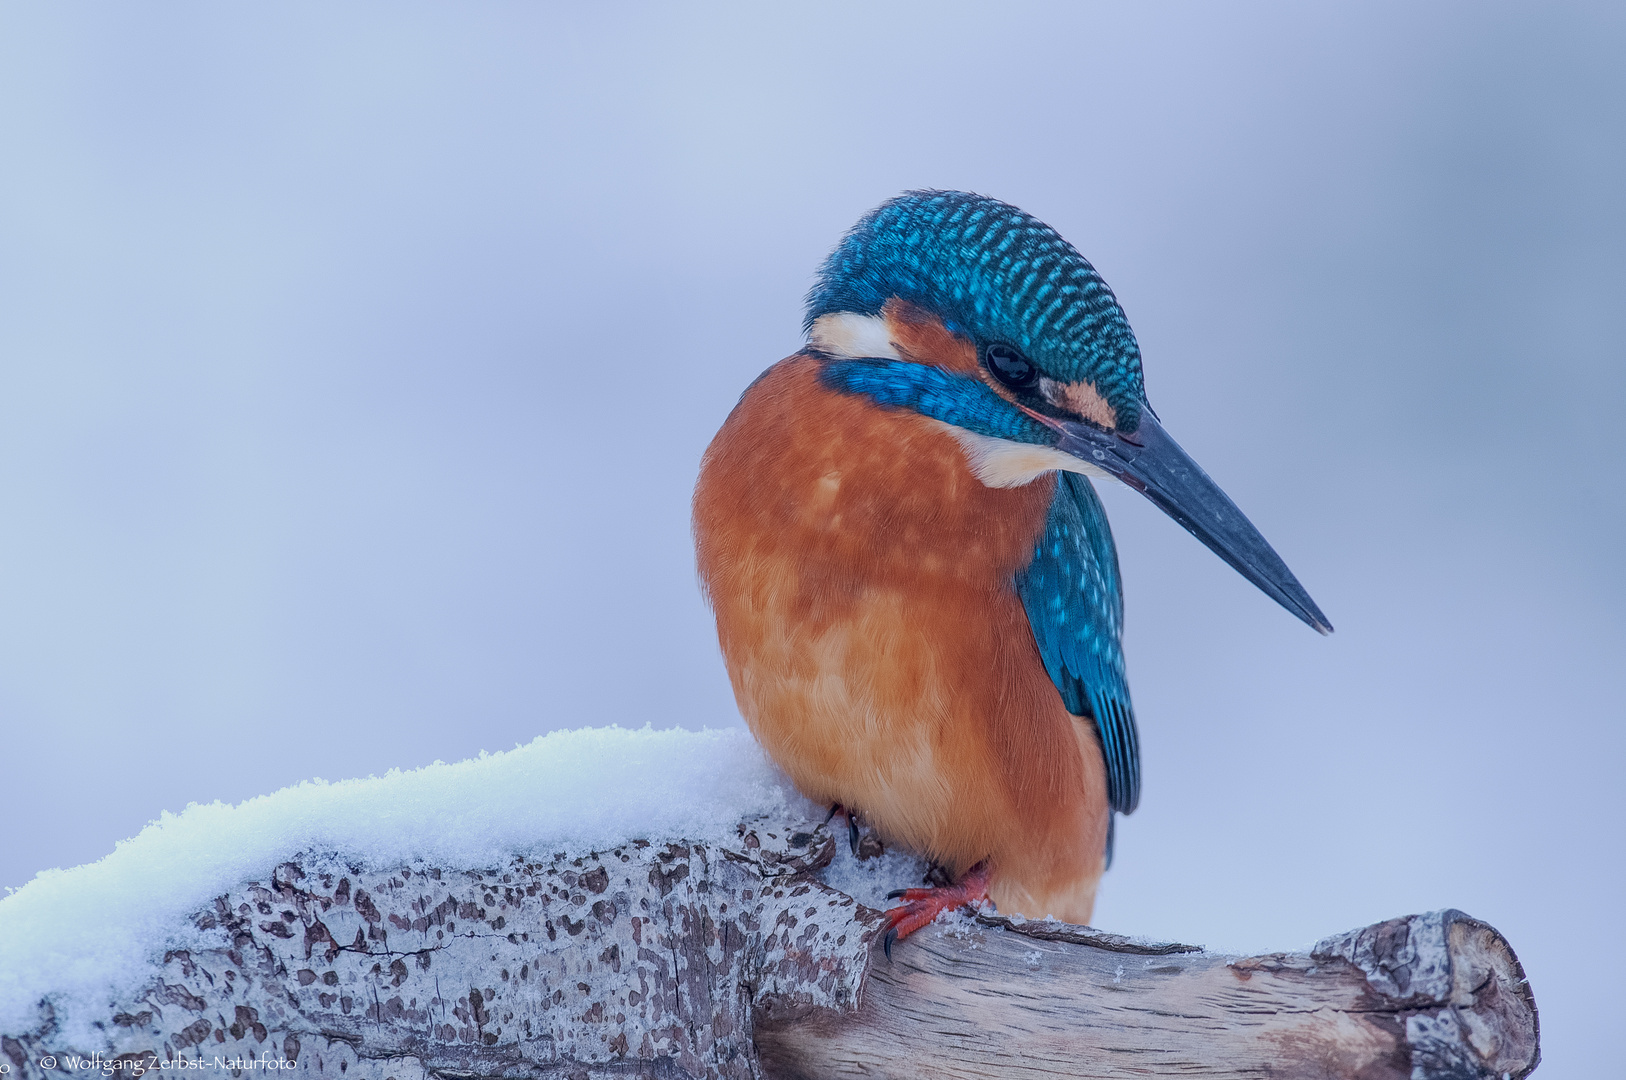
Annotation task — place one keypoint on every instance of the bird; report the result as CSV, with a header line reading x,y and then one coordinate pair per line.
x,y
916,589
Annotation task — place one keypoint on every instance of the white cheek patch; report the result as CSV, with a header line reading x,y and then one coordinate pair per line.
x,y
849,335
1002,463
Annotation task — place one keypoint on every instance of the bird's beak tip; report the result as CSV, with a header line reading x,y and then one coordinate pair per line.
x,y
1309,613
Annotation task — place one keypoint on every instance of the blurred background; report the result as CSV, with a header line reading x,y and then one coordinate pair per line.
x,y
356,363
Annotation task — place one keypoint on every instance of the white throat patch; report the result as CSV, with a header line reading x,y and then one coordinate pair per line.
x,y
1004,463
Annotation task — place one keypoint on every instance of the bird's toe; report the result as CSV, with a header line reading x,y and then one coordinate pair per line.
x,y
923,905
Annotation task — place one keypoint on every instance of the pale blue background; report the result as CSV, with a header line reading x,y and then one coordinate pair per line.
x,y
355,363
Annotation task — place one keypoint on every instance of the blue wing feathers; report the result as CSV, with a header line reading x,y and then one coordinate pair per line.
x,y
1074,601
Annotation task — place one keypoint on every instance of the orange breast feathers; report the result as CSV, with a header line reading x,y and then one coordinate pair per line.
x,y
862,579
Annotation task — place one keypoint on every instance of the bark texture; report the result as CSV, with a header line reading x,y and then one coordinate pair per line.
x,y
737,961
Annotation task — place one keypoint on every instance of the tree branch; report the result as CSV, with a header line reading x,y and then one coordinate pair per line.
x,y
736,961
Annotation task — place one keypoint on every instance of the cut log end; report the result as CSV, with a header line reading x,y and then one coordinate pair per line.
x,y
1467,1007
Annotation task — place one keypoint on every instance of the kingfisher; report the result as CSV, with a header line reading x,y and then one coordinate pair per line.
x,y
916,589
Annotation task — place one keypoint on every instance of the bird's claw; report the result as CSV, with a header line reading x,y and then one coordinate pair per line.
x,y
913,894
922,905
852,824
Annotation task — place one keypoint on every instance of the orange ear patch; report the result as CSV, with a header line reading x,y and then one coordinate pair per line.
x,y
921,338
1080,399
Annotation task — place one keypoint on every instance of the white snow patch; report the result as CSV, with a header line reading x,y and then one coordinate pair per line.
x,y
869,880
89,936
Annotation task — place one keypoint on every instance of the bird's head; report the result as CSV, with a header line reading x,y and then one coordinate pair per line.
x,y
971,312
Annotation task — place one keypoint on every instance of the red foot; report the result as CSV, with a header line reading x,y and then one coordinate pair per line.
x,y
921,906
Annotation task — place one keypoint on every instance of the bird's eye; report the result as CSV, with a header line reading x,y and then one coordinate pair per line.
x,y
1010,367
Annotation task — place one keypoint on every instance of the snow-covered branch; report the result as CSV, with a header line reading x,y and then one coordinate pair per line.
x,y
748,951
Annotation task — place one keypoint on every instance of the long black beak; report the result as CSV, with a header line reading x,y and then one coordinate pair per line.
x,y
1152,463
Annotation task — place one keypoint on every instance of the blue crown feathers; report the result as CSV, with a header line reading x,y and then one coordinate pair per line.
x,y
995,272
